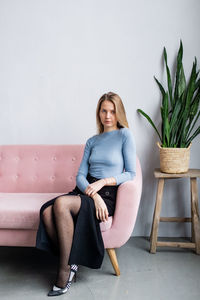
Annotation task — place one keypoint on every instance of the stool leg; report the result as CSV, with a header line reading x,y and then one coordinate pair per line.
x,y
156,218
192,223
195,213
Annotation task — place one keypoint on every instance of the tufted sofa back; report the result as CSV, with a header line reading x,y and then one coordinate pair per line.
x,y
39,168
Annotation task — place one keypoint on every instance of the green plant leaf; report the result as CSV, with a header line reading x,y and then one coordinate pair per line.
x,y
174,122
160,86
194,122
193,112
165,121
150,121
162,126
175,131
167,130
174,114
188,97
178,68
182,82
193,136
197,84
169,81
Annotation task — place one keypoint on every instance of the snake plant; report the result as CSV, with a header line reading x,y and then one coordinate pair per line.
x,y
180,105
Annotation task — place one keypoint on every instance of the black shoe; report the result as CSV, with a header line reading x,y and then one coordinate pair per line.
x,y
56,291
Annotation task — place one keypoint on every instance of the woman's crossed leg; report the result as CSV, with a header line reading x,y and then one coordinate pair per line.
x,y
58,220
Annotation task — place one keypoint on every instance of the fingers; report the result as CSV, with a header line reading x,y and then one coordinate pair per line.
x,y
101,209
90,191
97,214
102,214
106,215
94,187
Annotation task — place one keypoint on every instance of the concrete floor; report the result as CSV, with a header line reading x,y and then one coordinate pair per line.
x,y
27,273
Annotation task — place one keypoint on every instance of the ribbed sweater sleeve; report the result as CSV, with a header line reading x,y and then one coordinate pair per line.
x,y
81,180
129,156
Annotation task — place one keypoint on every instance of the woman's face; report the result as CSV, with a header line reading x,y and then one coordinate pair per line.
x,y
107,115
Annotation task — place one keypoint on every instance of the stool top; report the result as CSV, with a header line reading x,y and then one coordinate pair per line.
x,y
191,173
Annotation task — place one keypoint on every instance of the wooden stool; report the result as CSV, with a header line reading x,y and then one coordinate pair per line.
x,y
195,242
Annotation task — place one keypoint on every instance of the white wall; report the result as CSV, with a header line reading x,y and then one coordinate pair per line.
x,y
58,57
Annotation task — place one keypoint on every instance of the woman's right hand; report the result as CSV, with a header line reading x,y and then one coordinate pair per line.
x,y
101,208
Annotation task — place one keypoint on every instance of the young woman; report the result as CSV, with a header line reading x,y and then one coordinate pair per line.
x,y
69,224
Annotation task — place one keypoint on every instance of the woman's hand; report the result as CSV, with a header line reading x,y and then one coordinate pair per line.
x,y
94,187
101,208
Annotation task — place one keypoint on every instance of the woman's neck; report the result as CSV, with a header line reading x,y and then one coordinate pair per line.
x,y
110,129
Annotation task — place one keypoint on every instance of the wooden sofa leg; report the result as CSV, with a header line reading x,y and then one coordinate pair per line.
x,y
113,259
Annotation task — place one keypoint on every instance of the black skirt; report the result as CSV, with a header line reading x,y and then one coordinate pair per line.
x,y
87,246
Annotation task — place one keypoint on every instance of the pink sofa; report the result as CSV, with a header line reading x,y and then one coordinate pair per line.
x,y
32,174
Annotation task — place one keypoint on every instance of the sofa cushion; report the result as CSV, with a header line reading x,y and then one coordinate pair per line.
x,y
21,210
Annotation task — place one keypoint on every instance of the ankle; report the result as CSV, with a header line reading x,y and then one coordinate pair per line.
x,y
62,278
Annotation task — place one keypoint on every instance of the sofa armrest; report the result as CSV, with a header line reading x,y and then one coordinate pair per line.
x,y
127,204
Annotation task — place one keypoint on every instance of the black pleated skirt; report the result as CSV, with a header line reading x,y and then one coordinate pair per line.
x,y
87,246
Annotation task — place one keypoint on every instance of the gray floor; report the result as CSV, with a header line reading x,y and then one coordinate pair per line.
x,y
26,273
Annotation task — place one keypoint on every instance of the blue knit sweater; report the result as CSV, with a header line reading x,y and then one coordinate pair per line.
x,y
109,154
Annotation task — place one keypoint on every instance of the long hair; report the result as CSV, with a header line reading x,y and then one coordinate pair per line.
x,y
119,110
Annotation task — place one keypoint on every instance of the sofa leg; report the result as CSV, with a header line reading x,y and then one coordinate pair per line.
x,y
113,259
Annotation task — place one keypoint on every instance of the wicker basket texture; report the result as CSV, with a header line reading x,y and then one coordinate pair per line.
x,y
174,160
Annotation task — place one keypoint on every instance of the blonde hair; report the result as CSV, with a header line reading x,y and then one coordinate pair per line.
x,y
119,110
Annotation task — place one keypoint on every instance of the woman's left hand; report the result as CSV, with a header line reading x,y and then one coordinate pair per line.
x,y
94,187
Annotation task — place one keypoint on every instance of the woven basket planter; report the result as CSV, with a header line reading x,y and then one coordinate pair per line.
x,y
174,160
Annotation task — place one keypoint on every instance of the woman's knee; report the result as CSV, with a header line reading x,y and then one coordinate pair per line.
x,y
64,204
61,204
